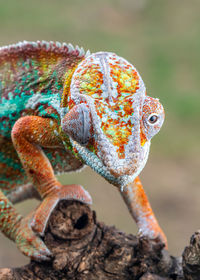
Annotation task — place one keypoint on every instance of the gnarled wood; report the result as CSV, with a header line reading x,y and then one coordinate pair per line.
x,y
86,249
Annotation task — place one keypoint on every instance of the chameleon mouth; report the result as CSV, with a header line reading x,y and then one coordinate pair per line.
x,y
98,166
125,170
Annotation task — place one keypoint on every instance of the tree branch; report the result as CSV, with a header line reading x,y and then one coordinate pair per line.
x,y
84,248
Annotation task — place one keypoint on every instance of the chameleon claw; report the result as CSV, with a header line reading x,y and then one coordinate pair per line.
x,y
155,234
41,256
29,243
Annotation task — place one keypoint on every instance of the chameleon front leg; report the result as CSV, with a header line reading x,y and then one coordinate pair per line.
x,y
140,209
17,228
29,134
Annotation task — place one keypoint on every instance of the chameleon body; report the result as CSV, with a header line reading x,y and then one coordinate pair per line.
x,y
61,109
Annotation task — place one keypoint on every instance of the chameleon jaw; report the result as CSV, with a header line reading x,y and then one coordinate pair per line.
x,y
97,165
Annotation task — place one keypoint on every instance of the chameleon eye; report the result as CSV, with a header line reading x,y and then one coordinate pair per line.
x,y
152,119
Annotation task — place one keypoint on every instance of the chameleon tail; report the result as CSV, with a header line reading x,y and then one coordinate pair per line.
x,y
22,193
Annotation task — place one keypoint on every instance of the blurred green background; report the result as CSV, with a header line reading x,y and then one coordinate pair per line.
x,y
162,39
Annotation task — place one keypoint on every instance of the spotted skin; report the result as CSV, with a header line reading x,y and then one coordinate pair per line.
x,y
61,109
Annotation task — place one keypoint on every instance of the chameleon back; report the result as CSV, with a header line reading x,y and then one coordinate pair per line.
x,y
31,83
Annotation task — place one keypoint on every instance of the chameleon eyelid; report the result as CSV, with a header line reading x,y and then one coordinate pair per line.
x,y
153,114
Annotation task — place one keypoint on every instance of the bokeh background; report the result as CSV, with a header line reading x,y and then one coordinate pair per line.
x,y
162,39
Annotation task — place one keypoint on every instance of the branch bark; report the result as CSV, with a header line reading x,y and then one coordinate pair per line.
x,y
84,248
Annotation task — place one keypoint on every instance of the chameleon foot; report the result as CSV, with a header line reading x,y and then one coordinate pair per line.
x,y
67,192
162,238
155,233
30,244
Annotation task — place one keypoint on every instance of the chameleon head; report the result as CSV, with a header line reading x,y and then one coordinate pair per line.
x,y
110,118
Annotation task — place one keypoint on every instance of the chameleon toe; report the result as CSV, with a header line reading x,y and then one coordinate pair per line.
x,y
43,212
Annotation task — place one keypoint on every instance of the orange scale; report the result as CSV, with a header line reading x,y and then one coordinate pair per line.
x,y
79,70
118,133
128,110
120,114
116,107
115,122
120,83
99,91
143,138
106,125
121,152
129,123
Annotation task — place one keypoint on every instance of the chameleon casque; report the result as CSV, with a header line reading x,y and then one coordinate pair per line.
x,y
61,109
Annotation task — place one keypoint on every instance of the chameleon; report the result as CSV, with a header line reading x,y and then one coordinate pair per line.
x,y
61,109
